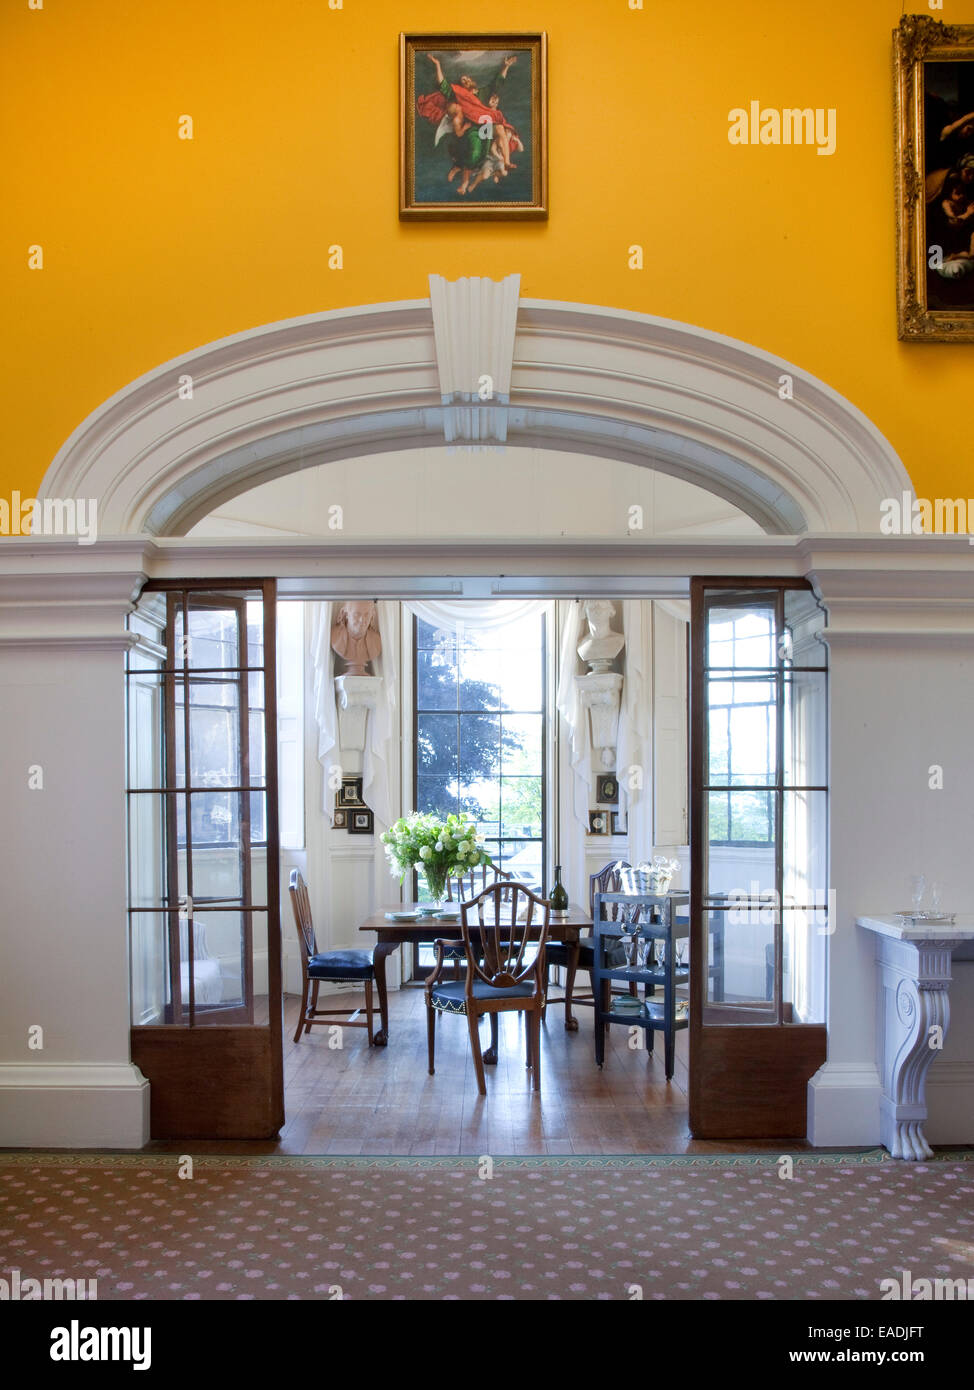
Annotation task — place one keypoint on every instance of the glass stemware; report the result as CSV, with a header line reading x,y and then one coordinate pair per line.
x,y
918,886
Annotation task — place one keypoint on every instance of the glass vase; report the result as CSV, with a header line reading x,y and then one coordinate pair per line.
x,y
436,880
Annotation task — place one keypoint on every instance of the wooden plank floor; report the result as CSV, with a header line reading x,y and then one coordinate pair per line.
x,y
381,1100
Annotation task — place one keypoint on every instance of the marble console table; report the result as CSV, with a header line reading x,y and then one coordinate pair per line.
x,y
914,1010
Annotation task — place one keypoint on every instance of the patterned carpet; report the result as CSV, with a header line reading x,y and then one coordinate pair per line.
x,y
688,1227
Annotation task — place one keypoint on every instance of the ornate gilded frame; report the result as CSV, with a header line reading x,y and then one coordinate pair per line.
x,y
537,208
920,39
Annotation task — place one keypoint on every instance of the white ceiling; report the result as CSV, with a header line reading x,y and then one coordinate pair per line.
x,y
495,494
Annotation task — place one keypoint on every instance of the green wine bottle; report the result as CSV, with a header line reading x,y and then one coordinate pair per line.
x,y
558,897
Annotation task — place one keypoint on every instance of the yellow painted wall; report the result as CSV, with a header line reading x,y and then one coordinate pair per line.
x,y
155,245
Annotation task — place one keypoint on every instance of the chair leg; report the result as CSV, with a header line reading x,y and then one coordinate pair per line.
x,y
368,1009
535,1027
478,1061
490,1056
302,1011
430,1035
314,1003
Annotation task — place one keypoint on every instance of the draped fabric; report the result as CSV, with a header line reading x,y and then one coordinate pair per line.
x,y
634,760
575,717
380,766
380,762
325,709
577,788
482,615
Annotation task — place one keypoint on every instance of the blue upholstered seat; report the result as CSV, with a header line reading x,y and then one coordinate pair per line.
x,y
341,965
556,953
449,997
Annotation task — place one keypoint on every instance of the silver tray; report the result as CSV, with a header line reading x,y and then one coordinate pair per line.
x,y
934,919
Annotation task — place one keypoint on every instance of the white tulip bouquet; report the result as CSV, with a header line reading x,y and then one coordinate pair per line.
x,y
443,849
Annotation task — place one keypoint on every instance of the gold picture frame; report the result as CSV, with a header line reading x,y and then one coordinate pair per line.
x,y
506,177
934,70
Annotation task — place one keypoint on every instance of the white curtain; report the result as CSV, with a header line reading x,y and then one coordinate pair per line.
x,y
481,614
325,709
381,762
576,762
634,750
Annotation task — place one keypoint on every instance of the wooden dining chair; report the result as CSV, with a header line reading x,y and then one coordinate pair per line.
x,y
505,969
349,966
607,880
468,885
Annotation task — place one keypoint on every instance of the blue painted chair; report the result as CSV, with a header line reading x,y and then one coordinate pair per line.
x,y
335,967
607,880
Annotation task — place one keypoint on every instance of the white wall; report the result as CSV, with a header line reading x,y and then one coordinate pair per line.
x,y
901,703
62,870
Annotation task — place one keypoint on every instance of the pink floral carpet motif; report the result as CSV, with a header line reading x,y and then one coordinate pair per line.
x,y
688,1227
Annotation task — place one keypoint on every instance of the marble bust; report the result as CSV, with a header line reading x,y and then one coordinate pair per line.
x,y
355,636
602,645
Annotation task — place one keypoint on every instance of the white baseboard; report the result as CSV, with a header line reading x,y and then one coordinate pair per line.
x,y
950,1102
843,1105
67,1105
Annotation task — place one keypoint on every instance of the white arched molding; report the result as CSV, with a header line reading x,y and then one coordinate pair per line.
x,y
591,380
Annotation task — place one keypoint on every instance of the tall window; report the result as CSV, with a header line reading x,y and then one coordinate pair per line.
x,y
226,731
479,735
742,724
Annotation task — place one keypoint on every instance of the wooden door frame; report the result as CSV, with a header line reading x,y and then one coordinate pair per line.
x,y
720,1055
196,1101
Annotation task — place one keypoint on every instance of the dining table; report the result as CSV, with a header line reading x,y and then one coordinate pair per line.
x,y
407,928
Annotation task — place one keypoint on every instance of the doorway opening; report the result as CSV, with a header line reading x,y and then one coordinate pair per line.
x,y
476,718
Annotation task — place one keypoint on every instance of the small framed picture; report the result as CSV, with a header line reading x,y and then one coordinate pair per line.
x,y
339,819
351,792
361,822
598,822
607,789
619,823
473,126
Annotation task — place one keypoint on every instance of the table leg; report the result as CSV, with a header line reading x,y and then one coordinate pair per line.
x,y
571,1022
383,949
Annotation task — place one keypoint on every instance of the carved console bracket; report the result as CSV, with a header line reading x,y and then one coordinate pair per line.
x,y
913,966
356,696
601,695
473,325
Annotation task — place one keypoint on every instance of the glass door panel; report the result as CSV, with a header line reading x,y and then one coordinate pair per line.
x,y
203,857
759,853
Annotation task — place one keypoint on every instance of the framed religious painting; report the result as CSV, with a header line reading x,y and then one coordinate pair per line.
x,y
473,137
934,72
